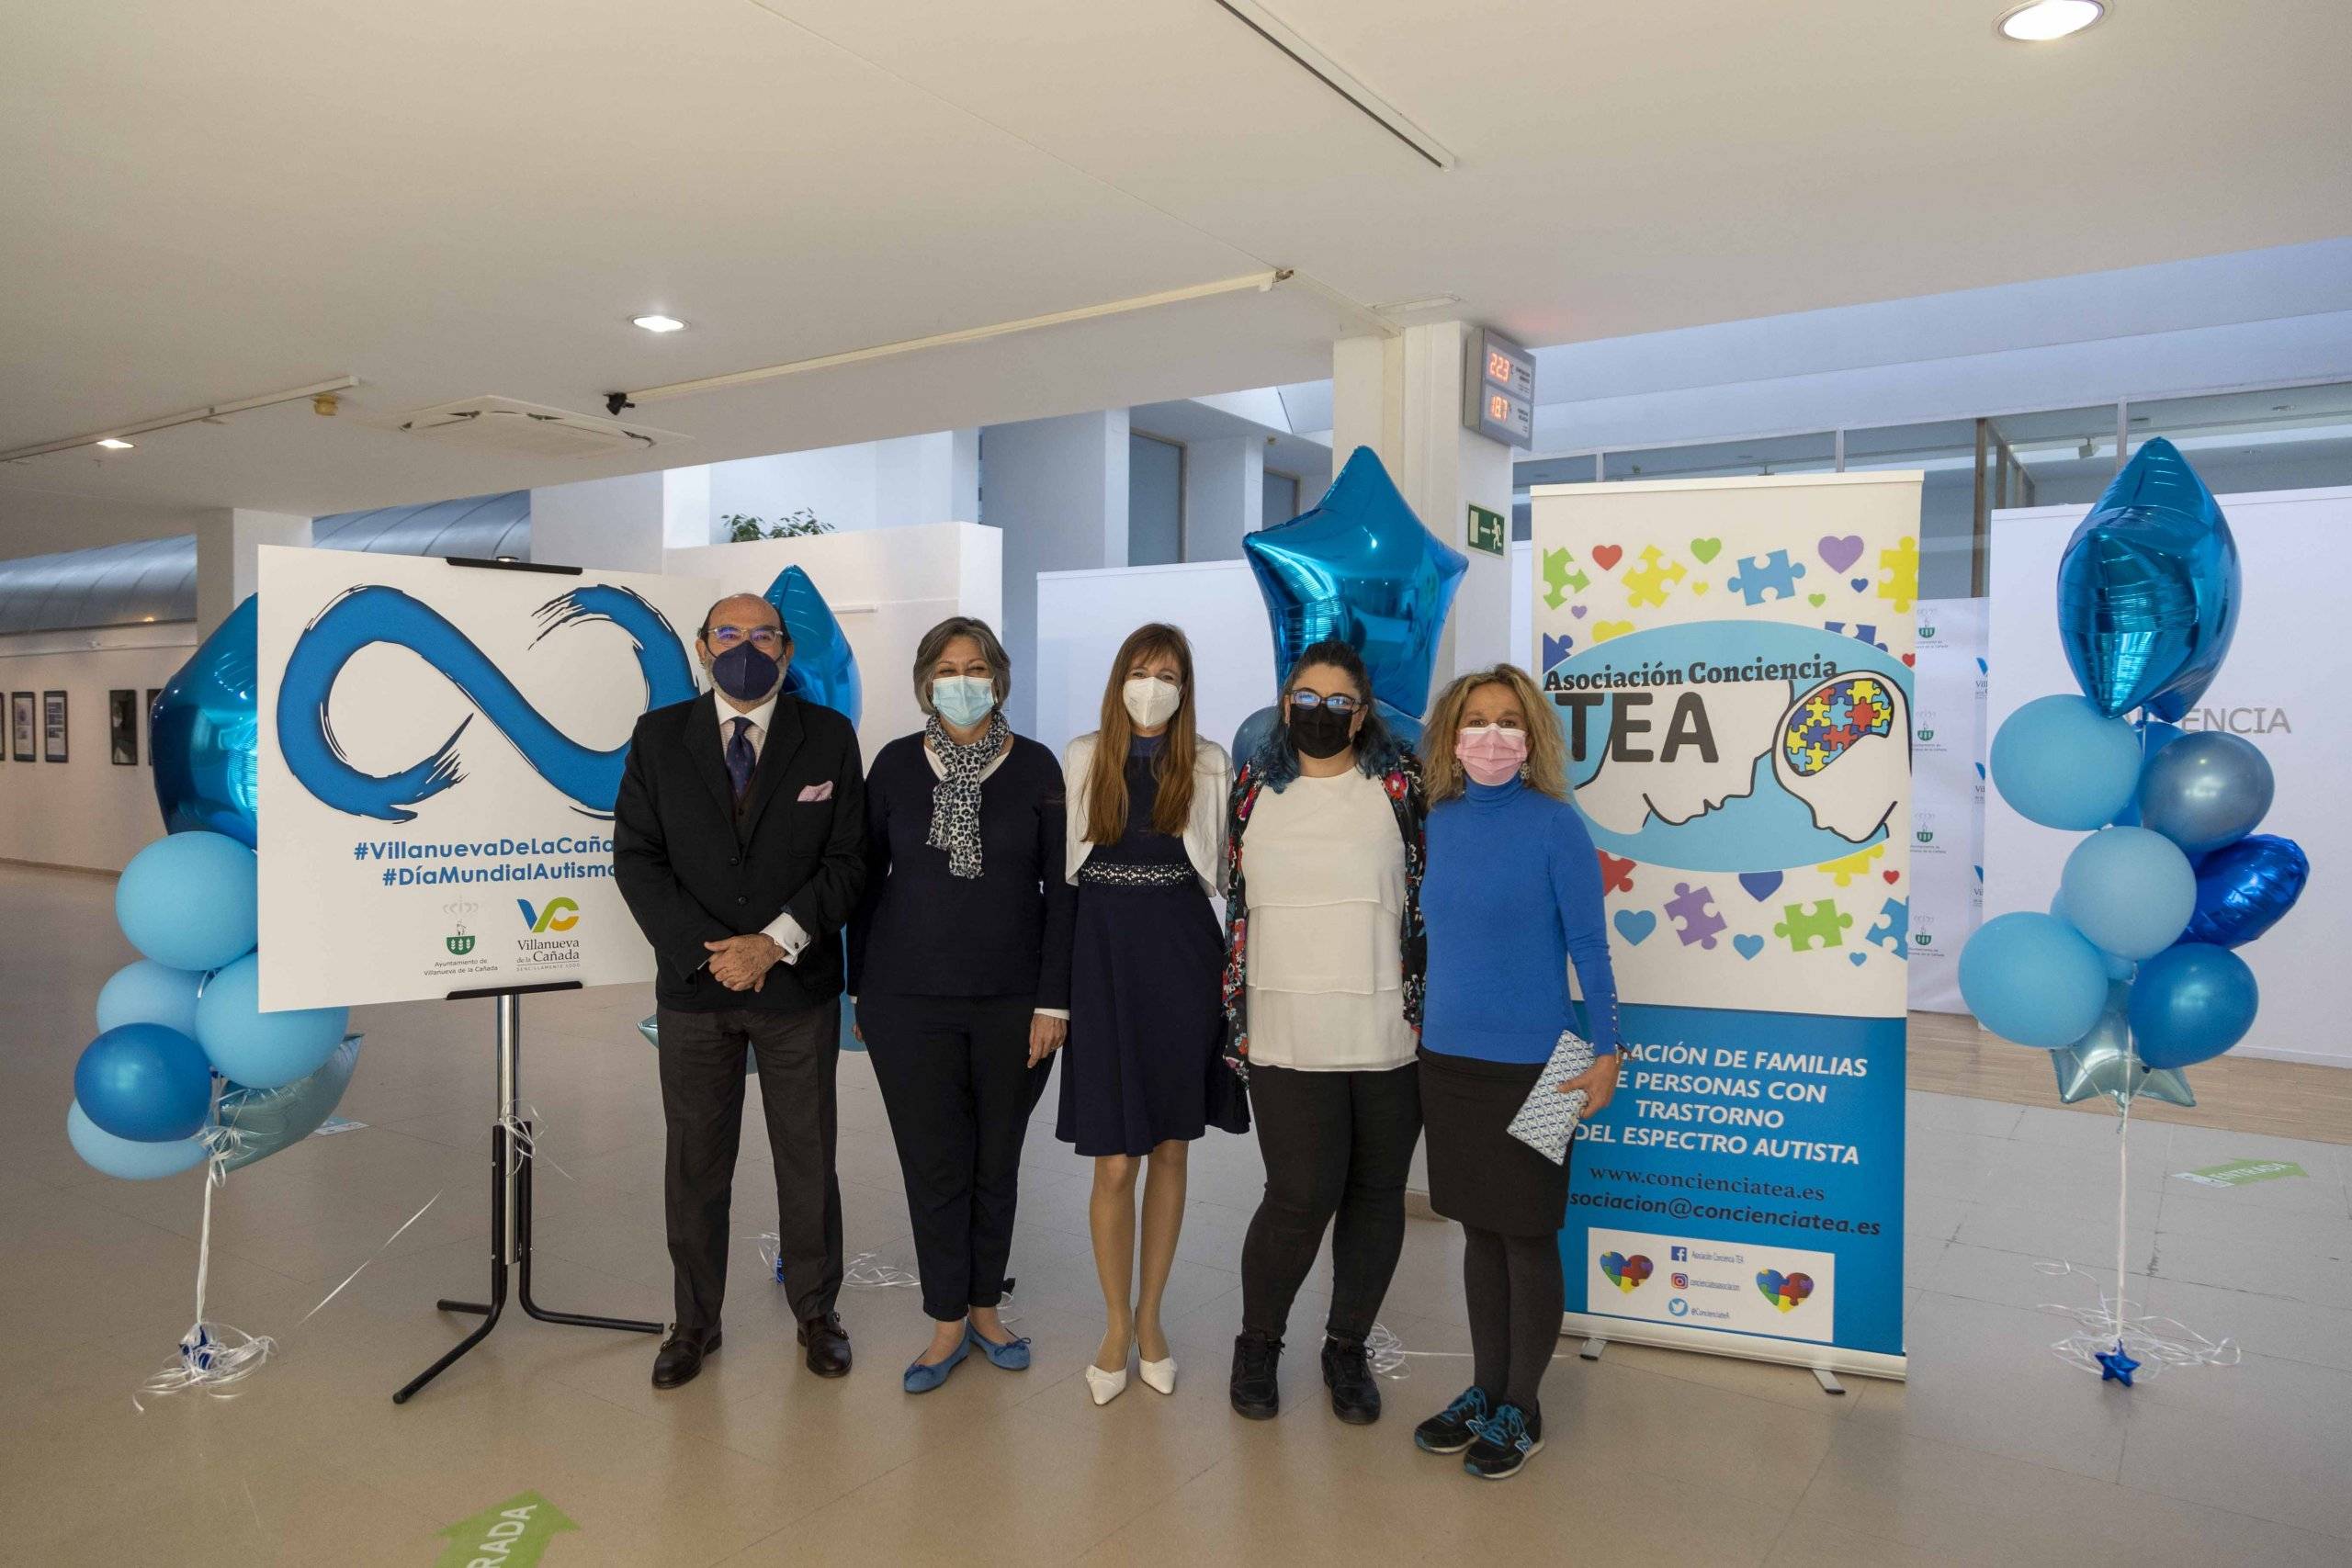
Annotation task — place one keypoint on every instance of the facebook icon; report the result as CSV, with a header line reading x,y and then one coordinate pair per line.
x,y
1678,1254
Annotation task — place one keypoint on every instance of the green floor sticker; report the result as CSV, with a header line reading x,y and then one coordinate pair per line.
x,y
2239,1172
508,1535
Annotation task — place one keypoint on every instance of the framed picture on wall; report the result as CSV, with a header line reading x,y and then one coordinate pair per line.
x,y
153,693
52,726
122,728
20,728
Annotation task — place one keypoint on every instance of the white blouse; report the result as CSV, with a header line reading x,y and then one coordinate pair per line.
x,y
1324,871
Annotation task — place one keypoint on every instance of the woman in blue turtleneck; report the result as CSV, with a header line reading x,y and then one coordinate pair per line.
x,y
1511,896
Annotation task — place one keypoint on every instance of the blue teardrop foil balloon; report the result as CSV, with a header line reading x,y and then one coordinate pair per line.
x,y
2148,589
206,735
2244,889
823,668
1360,567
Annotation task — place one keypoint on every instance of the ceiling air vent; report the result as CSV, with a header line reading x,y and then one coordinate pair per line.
x,y
510,428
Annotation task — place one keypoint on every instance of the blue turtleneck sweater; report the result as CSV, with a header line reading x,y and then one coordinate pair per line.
x,y
1511,895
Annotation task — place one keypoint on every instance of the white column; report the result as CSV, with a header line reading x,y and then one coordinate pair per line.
x,y
1057,488
228,543
1402,397
1225,495
621,524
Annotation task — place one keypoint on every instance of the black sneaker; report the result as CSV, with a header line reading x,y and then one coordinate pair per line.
x,y
1255,1391
1347,1372
1450,1430
1506,1442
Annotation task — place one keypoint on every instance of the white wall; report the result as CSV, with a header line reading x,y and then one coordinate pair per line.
x,y
86,812
871,484
1057,488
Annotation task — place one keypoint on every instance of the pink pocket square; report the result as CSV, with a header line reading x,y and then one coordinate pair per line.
x,y
817,791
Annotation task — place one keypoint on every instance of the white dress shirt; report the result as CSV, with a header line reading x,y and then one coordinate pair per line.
x,y
784,931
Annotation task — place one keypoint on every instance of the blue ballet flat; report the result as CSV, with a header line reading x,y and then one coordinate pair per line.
x,y
921,1379
1013,1357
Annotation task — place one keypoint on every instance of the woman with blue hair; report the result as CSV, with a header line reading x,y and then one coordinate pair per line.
x,y
1323,1001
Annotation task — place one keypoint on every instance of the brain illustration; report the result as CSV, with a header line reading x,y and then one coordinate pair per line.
x,y
1742,718
1844,749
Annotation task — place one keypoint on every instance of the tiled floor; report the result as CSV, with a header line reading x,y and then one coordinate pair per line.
x,y
1992,1453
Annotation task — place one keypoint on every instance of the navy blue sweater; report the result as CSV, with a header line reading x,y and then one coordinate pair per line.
x,y
1512,893
920,932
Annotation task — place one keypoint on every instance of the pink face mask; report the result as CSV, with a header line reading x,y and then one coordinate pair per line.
x,y
1491,754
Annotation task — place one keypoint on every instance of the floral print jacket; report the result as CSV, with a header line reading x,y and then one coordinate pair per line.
x,y
1399,772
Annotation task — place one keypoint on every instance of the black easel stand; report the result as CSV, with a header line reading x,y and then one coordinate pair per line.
x,y
510,1211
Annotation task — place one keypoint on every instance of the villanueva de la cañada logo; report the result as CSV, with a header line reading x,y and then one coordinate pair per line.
x,y
560,915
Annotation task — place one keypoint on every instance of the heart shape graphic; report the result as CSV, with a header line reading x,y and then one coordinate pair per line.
x,y
1891,877
1783,1292
1707,549
1613,1266
1698,587
1840,550
1859,584
1910,659
1635,925
1760,885
1625,1273
1604,630
1856,959
1578,611
1606,557
1816,599
1748,946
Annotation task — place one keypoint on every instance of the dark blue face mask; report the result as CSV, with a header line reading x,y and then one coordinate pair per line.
x,y
744,673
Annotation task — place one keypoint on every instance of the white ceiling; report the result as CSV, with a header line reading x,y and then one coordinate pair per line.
x,y
208,199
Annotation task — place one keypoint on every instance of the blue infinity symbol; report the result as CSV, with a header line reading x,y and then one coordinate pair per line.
x,y
376,614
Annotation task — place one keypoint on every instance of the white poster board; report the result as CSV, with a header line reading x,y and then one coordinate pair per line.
x,y
1948,746
439,747
2281,687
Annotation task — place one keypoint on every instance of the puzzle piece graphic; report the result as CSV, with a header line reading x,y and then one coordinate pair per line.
x,y
1900,566
1894,926
1862,631
1821,927
1851,866
1646,583
1556,648
1559,578
1701,924
1759,576
1616,875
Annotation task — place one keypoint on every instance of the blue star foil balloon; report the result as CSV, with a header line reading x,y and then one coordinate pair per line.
x,y
2245,888
2102,1062
2148,589
206,735
1360,567
2114,1366
823,668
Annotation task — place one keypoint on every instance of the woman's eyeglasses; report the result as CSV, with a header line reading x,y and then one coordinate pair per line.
x,y
767,639
1338,702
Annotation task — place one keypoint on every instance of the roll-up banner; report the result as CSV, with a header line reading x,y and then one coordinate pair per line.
x,y
1731,662
439,749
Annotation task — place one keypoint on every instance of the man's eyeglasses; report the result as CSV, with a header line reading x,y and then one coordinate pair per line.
x,y
767,639
1338,702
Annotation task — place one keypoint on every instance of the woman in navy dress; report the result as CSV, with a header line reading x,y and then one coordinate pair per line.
x,y
1142,1075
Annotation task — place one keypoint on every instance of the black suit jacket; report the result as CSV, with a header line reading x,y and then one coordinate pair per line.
x,y
695,870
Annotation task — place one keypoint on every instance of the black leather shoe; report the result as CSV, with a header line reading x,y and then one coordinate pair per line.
x,y
681,1357
828,1344
1347,1372
1255,1390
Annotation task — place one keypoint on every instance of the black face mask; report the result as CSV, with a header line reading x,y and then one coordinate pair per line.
x,y
1319,732
744,673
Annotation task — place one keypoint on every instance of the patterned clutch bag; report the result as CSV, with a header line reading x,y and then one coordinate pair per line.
x,y
1548,1120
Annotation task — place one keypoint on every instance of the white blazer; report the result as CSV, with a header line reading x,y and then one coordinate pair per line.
x,y
1204,834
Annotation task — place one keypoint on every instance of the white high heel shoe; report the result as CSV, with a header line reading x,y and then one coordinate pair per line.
x,y
1105,1386
1160,1375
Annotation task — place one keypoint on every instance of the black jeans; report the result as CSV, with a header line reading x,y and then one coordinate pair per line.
x,y
1516,1294
1335,1145
702,1107
956,1079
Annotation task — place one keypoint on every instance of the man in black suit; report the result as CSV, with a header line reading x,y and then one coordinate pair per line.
x,y
739,842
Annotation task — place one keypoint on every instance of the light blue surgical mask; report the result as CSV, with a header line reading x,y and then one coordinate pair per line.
x,y
962,700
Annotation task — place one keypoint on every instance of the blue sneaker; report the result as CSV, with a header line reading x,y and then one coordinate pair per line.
x,y
1452,1429
1013,1357
921,1379
1506,1441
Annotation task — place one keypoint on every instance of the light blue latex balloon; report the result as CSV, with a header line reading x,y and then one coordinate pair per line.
x,y
2032,978
144,991
2117,968
205,735
256,1049
2061,763
144,1082
2129,891
2206,790
190,901
132,1161
2244,889
2148,589
823,668
1361,567
260,1122
2190,1003
2155,736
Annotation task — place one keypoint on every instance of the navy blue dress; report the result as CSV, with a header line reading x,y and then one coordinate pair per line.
x,y
1146,1012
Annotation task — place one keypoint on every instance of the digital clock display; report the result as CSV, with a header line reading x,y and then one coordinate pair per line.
x,y
1500,403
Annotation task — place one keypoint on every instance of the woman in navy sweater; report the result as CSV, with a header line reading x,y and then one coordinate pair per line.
x,y
959,966
1512,895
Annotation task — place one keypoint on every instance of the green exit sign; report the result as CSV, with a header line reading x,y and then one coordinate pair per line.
x,y
1489,531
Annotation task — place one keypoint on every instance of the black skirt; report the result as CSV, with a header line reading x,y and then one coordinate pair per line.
x,y
1480,1174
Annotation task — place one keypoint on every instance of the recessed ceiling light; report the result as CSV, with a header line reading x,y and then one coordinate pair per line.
x,y
2044,20
114,444
661,323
